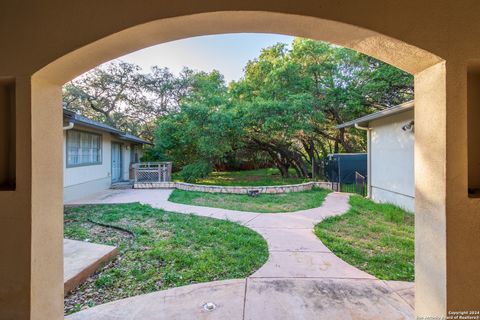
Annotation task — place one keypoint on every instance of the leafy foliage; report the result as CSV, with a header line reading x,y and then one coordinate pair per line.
x,y
119,95
286,107
194,171
202,130
248,178
291,100
284,110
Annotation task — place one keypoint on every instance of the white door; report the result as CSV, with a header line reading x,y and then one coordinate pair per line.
x,y
116,162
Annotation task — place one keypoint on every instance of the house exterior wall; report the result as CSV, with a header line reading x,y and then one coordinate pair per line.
x,y
392,161
81,181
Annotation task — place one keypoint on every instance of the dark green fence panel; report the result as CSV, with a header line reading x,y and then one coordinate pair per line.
x,y
359,186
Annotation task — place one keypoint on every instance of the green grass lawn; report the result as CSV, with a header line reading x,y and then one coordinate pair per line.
x,y
161,250
263,203
376,238
260,177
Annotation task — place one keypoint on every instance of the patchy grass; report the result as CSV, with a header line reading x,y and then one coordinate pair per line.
x,y
376,238
263,203
159,250
260,177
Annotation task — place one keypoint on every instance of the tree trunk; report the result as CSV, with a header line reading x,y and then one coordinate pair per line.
x,y
283,170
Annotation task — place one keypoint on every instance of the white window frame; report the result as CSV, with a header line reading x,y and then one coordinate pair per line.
x,y
85,138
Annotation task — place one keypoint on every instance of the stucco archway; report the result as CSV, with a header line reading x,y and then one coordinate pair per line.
x,y
392,51
397,53
43,96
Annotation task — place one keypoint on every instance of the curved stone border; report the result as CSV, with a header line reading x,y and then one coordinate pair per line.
x,y
234,190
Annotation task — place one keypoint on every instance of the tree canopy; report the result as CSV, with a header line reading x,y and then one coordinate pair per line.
x,y
292,99
120,95
284,109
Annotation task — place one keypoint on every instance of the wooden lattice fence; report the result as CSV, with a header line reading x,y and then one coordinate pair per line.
x,y
153,172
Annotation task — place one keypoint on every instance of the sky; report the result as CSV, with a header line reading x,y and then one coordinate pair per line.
x,y
227,53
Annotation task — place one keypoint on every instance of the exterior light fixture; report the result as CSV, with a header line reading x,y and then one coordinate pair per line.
x,y
408,126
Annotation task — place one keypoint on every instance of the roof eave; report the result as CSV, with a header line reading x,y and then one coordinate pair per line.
x,y
73,117
365,120
135,140
93,126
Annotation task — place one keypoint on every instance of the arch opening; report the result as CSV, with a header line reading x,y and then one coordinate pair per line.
x,y
46,89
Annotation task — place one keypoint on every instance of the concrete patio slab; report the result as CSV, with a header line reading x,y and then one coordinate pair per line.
x,y
183,303
400,285
332,299
404,289
409,296
308,265
81,259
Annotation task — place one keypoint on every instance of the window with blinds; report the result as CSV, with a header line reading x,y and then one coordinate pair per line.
x,y
83,148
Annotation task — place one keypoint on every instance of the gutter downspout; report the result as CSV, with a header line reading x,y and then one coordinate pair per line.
x,y
369,158
70,126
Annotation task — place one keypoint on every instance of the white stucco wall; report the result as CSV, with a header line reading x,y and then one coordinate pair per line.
x,y
82,181
392,161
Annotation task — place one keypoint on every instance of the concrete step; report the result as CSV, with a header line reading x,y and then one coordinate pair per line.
x,y
81,259
122,185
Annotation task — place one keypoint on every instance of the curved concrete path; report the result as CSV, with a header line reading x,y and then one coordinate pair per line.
x,y
302,278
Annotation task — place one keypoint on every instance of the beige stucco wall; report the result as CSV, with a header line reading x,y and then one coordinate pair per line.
x,y
391,173
46,43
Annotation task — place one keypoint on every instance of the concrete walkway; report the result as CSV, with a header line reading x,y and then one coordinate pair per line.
x,y
302,279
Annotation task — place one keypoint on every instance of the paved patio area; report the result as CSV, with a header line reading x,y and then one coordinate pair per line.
x,y
302,278
81,259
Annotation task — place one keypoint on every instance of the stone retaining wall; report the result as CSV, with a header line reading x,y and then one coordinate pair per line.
x,y
233,190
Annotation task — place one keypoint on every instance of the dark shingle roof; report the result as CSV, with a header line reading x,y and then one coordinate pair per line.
x,y
71,116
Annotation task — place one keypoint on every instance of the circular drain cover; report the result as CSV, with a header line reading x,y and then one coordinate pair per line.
x,y
209,306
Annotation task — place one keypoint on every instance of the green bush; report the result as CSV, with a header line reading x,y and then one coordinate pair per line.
x,y
198,170
153,154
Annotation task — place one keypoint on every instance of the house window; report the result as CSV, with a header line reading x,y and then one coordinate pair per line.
x,y
83,148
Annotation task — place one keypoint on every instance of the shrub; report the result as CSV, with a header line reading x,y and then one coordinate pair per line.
x,y
198,170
